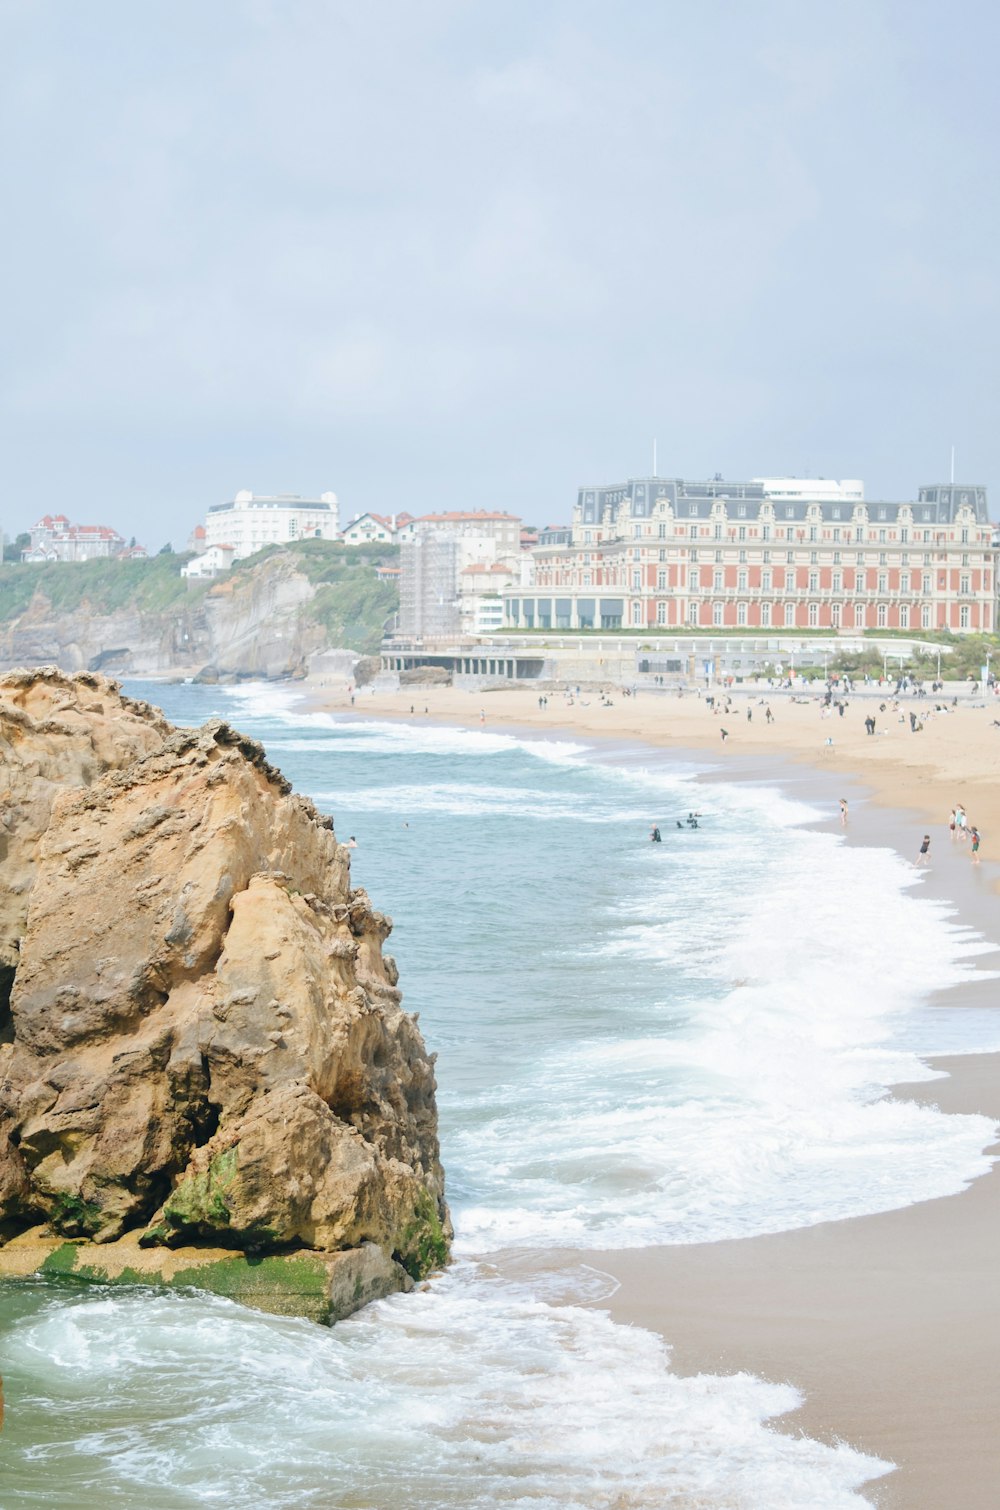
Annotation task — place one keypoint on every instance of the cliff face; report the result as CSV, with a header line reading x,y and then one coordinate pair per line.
x,y
265,619
204,1041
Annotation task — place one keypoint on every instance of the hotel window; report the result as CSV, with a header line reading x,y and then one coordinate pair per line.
x,y
663,555
717,611
965,558
743,531
904,536
717,581
882,615
964,581
741,511
742,581
743,555
925,616
835,615
926,585
859,615
661,579
904,581
765,555
904,616
741,614
693,510
814,581
637,579
883,581
765,581
859,534
963,616
692,613
883,559
838,581
586,537
765,615
718,532
765,532
694,581
813,615
661,613
789,615
812,532
662,532
586,579
636,613
965,537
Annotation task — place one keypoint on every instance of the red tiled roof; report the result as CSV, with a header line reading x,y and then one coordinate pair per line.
x,y
456,515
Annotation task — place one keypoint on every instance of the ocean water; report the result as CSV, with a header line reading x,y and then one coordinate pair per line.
x,y
637,1044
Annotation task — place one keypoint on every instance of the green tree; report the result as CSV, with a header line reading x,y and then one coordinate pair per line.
x,y
12,550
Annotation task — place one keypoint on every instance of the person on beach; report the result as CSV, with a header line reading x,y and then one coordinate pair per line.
x,y
843,812
725,734
952,825
974,836
924,848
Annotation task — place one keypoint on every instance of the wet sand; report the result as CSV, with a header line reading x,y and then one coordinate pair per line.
x,y
889,1324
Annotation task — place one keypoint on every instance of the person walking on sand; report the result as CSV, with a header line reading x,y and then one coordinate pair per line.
x,y
725,734
925,846
843,812
974,836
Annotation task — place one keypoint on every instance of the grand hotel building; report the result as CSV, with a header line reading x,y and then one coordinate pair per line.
x,y
772,553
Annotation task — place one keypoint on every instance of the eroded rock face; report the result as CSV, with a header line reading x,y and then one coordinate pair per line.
x,y
204,1041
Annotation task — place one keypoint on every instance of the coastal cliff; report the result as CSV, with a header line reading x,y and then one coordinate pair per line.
x,y
206,1075
264,618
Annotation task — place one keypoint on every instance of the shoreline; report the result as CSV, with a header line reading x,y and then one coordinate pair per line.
x,y
885,1323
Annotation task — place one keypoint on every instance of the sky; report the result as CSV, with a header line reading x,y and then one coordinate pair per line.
x,y
432,254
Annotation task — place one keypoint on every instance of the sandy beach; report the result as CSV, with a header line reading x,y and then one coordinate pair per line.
x,y
889,1324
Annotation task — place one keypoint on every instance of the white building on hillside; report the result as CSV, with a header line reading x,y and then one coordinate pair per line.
x,y
252,520
384,529
211,563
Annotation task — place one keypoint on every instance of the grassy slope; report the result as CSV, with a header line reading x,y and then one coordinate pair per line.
x,y
350,601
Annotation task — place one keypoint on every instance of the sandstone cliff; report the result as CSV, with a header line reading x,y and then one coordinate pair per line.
x,y
265,618
203,1043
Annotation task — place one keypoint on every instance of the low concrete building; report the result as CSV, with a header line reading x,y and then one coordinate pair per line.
x,y
211,563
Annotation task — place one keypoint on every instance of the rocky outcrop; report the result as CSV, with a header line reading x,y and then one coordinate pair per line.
x,y
205,1045
267,620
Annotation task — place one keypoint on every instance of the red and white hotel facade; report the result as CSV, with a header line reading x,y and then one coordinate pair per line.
x,y
773,553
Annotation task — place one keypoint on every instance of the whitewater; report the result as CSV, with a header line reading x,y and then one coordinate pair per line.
x,y
638,1044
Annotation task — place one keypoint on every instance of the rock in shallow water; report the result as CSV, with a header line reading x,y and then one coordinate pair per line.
x,y
204,1042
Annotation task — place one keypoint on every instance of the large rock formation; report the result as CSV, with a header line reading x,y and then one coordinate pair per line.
x,y
202,1043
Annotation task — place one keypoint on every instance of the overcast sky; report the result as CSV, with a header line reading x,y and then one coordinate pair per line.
x,y
428,253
